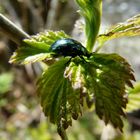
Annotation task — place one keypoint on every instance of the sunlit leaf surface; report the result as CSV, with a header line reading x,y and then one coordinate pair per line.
x,y
37,47
131,27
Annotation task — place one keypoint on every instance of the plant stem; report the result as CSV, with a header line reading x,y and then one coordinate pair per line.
x,y
62,134
11,30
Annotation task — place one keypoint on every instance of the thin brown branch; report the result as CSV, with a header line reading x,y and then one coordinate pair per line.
x,y
11,30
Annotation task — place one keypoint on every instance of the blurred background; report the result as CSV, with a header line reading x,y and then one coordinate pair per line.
x,y
20,113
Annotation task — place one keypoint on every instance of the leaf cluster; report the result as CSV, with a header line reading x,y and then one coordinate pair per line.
x,y
64,88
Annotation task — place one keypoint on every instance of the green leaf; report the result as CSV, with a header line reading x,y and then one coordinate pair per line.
x,y
131,27
59,100
102,80
63,88
37,47
133,98
91,10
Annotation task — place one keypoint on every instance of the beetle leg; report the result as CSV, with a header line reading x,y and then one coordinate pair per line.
x,y
69,61
82,58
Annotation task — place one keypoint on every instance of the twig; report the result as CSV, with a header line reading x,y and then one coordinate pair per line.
x,y
11,30
62,133
11,11
17,35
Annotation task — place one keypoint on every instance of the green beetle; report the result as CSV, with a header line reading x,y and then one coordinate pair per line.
x,y
69,47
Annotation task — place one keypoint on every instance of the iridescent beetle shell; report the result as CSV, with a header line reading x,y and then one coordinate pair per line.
x,y
68,47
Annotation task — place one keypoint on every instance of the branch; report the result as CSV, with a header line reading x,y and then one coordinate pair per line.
x,y
17,35
11,30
